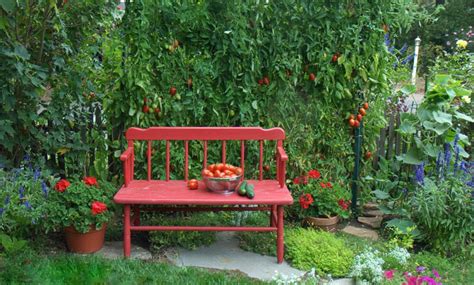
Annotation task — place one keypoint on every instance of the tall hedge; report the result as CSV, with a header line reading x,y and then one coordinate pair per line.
x,y
226,47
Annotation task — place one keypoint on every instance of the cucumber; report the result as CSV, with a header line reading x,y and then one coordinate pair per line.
x,y
242,188
250,191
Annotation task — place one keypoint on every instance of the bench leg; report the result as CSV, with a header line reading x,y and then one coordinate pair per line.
x,y
136,215
280,248
126,230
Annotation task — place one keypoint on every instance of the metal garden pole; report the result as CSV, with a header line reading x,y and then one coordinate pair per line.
x,y
415,60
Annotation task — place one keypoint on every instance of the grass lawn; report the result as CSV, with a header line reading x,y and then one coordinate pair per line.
x,y
70,269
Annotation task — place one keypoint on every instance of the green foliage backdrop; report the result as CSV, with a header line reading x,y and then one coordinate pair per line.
x,y
226,47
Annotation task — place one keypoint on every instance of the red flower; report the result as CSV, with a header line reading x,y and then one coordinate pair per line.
x,y
89,180
314,174
306,200
329,185
343,204
304,179
61,185
322,184
98,207
296,180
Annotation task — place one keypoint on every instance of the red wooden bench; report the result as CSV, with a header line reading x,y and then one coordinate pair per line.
x,y
173,195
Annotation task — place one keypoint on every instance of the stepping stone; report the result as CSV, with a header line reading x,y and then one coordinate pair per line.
x,y
371,206
373,213
361,232
225,254
114,250
373,222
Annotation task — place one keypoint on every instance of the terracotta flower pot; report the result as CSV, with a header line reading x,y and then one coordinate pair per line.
x,y
326,224
88,242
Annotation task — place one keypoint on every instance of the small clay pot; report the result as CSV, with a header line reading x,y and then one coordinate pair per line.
x,y
323,223
88,242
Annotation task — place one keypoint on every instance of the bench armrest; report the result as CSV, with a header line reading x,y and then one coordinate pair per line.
x,y
282,154
126,154
128,165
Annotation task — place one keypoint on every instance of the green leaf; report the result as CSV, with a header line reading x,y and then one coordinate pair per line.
x,y
442,117
255,104
406,128
463,116
21,51
381,194
438,128
432,150
403,225
413,156
8,5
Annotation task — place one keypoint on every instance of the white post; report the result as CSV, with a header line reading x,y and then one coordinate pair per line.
x,y
415,60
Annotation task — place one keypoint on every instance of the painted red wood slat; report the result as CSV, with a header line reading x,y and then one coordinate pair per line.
x,y
186,157
280,229
175,192
242,156
167,160
260,161
148,157
205,133
277,163
132,161
205,155
203,228
223,151
126,231
206,209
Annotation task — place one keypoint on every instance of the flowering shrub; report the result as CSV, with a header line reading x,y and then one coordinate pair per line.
x,y
80,204
420,276
23,194
319,197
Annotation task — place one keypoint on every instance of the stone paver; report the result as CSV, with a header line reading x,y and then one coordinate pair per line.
x,y
114,249
225,254
361,232
373,213
373,222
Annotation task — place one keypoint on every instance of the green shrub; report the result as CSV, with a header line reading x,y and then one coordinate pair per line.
x,y
308,248
263,243
186,239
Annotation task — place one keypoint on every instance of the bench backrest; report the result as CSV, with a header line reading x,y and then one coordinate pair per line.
x,y
204,134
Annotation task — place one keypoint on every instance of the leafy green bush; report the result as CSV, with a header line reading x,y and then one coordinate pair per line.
x,y
186,239
308,248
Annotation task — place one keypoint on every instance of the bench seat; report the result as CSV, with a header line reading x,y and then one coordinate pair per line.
x,y
175,192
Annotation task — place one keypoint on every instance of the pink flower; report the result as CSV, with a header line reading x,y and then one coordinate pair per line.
x,y
296,180
389,274
89,180
322,184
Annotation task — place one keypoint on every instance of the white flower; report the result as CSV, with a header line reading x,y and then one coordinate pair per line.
x,y
466,99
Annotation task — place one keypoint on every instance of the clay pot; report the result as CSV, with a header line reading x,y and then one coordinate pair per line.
x,y
326,224
88,242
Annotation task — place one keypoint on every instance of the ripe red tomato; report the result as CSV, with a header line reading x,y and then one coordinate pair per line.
x,y
260,82
157,111
368,155
146,109
172,91
359,117
366,106
352,122
351,116
335,57
211,167
362,111
356,124
312,77
220,166
238,171
228,172
266,168
266,81
193,184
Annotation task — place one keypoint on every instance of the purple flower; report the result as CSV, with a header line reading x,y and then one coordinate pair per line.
x,y
27,205
387,39
447,155
36,174
435,273
44,188
456,160
7,200
403,49
1,211
408,59
22,192
420,269
420,173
